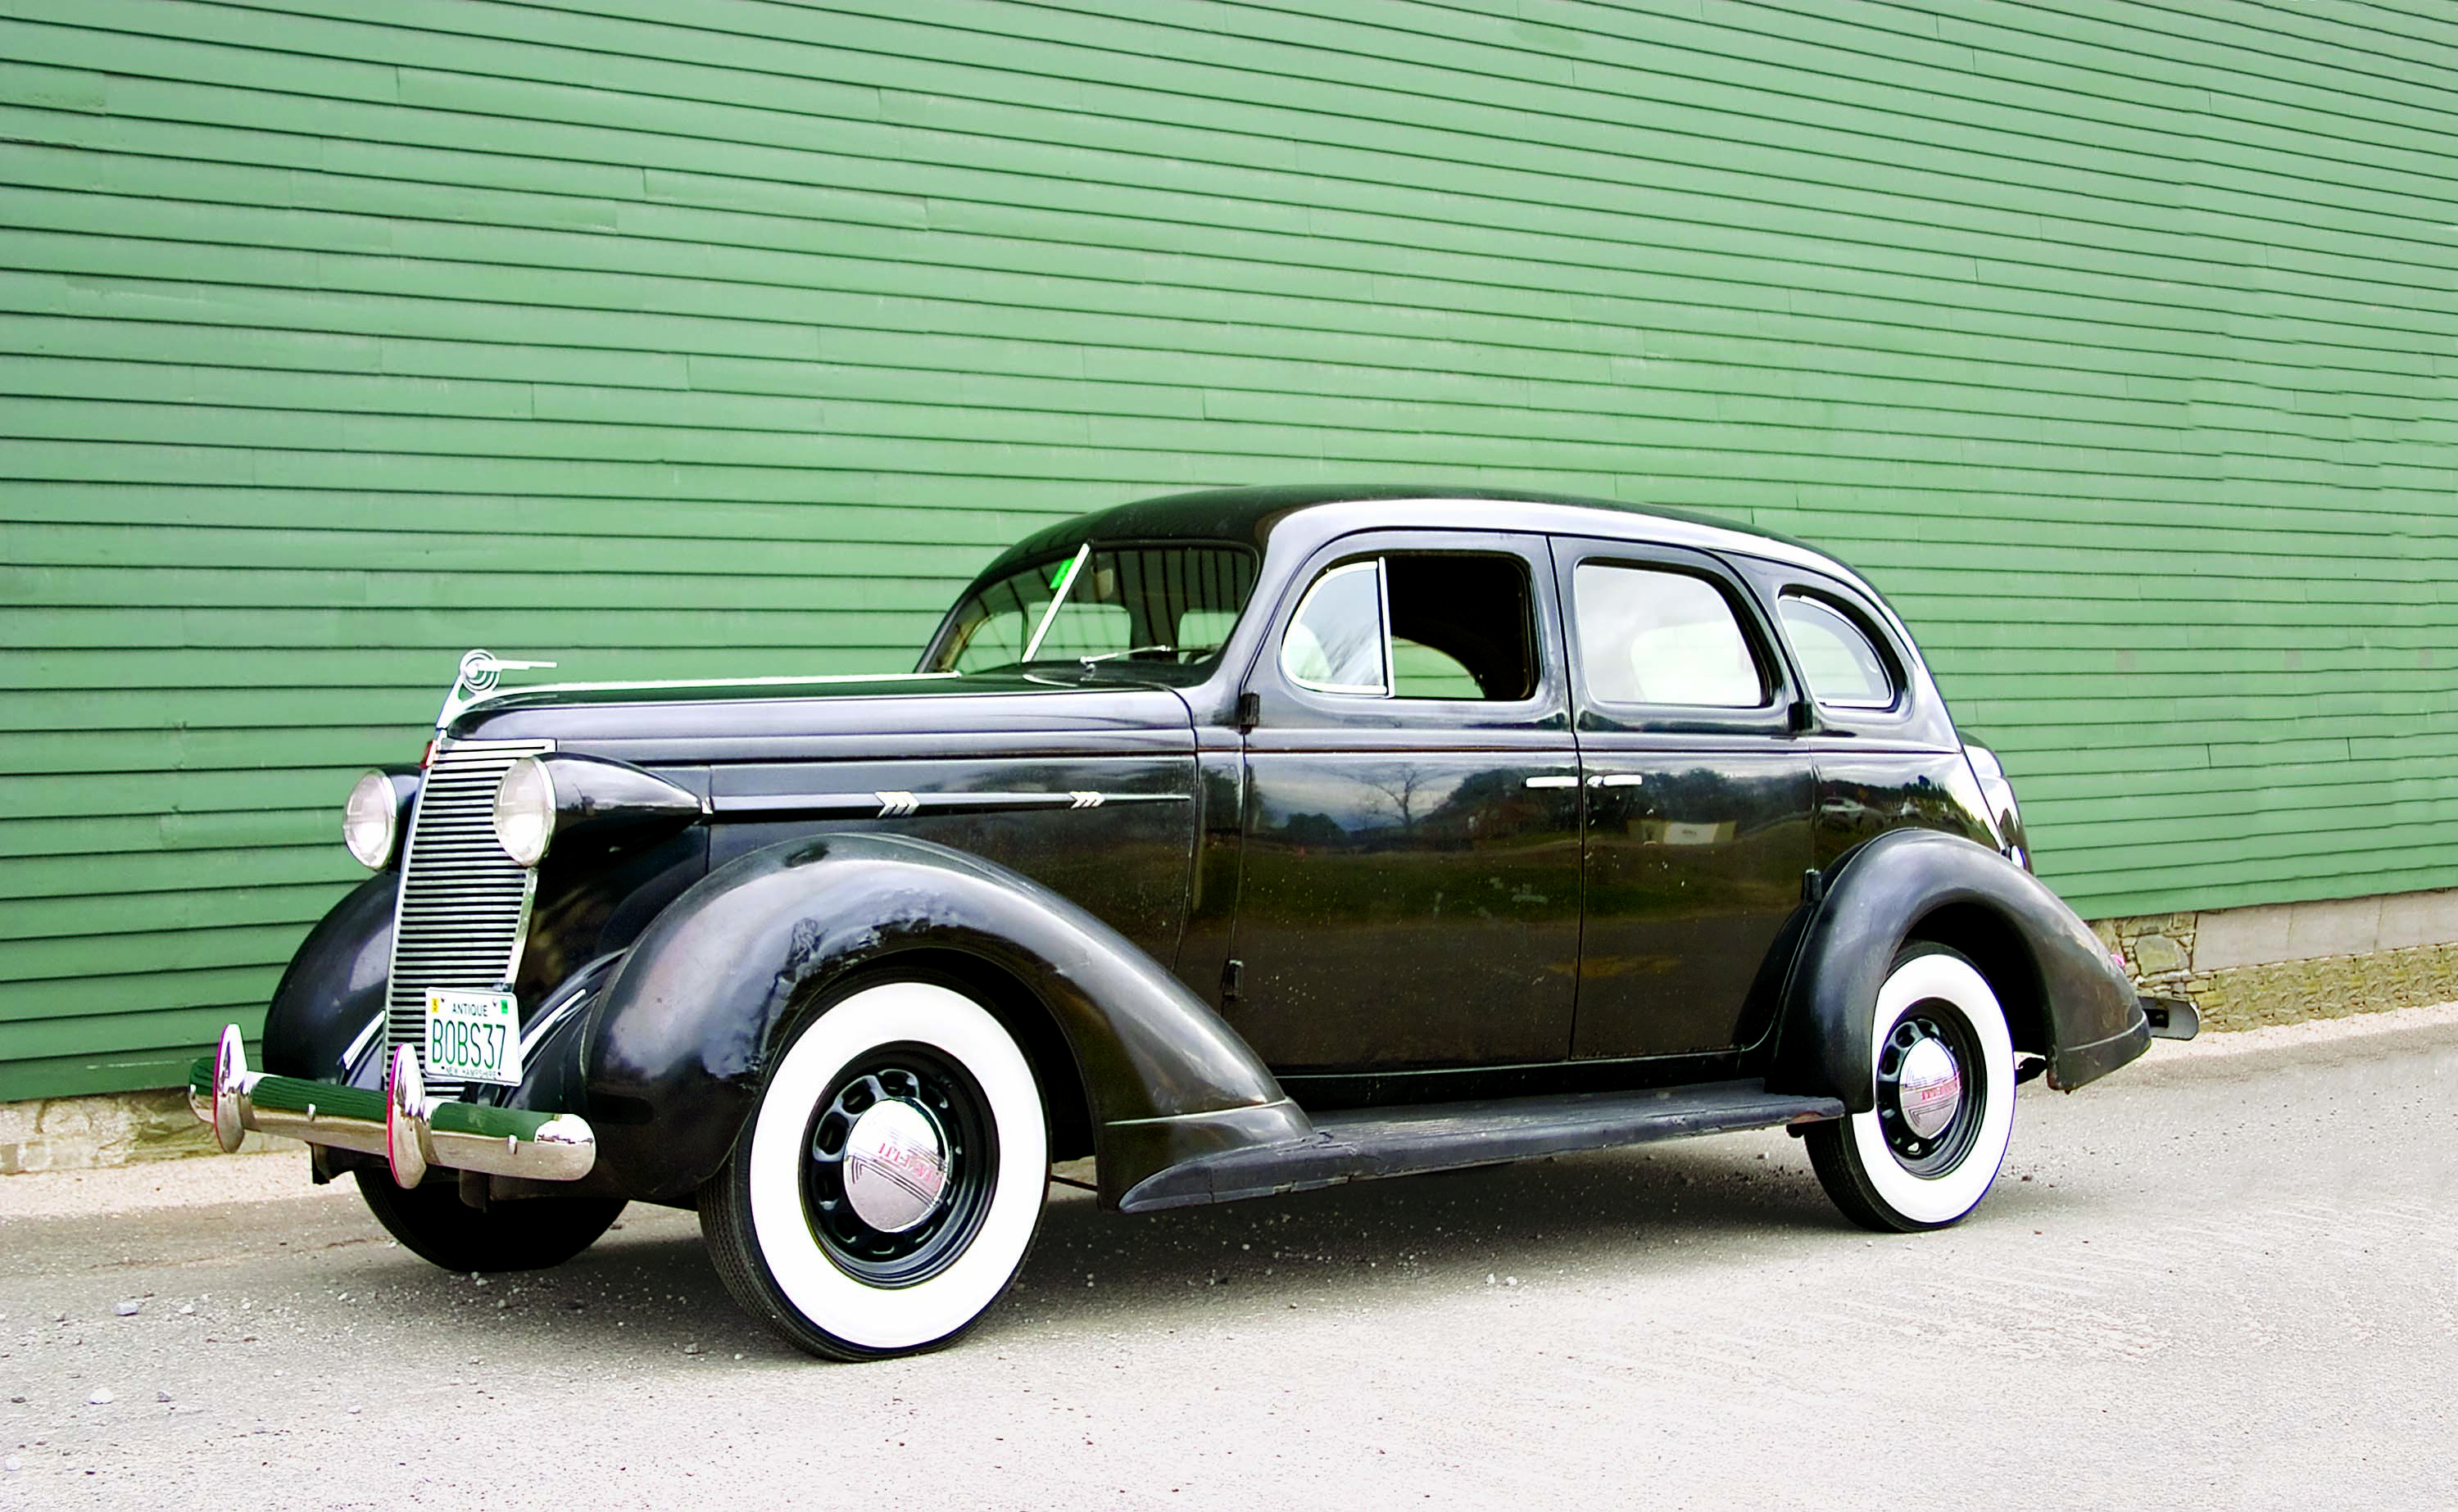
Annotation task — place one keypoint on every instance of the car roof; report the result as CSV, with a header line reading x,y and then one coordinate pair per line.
x,y
1254,514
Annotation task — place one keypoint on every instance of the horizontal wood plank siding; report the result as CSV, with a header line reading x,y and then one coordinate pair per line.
x,y
2118,341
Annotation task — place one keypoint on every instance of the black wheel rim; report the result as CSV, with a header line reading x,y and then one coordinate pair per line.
x,y
1931,1019
953,1100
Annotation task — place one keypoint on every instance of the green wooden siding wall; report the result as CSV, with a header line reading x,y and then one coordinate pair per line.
x,y
2115,340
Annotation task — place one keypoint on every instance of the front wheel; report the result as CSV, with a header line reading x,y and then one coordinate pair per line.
x,y
890,1180
1929,1151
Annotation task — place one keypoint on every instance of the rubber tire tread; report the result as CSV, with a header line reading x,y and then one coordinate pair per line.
x,y
725,1229
1829,1143
529,1233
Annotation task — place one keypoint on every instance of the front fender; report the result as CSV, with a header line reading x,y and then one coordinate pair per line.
x,y
2058,987
678,1045
334,986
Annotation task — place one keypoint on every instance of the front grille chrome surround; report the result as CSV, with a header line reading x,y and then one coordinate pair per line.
x,y
462,912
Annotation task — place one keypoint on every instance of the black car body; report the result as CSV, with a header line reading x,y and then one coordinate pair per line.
x,y
1341,832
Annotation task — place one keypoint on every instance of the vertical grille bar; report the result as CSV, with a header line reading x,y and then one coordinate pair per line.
x,y
463,903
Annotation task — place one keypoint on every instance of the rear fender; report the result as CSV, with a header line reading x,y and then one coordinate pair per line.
x,y
678,1047
2063,997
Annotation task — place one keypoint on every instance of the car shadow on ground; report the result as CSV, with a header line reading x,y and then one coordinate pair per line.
x,y
1091,1273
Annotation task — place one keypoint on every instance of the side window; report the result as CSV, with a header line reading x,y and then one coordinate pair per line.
x,y
1654,635
1468,622
1458,624
1843,668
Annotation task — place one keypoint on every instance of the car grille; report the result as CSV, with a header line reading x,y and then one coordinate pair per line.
x,y
463,903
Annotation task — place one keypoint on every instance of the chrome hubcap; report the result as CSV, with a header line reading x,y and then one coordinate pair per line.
x,y
1931,1085
895,1165
1932,1088
903,1161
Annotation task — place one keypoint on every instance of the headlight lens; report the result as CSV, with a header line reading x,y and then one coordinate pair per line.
x,y
525,810
369,820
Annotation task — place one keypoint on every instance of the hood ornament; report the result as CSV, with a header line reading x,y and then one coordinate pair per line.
x,y
480,671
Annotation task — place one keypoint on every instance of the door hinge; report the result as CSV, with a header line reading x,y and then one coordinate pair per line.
x,y
1250,709
1813,887
1233,980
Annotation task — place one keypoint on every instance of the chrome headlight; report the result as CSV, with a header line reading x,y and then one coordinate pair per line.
x,y
525,810
371,820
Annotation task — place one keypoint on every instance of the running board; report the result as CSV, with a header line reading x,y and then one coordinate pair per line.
x,y
1362,1143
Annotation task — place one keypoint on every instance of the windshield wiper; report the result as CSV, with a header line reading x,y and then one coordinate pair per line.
x,y
1131,650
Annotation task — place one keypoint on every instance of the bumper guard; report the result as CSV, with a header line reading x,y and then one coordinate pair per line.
x,y
2171,1018
410,1129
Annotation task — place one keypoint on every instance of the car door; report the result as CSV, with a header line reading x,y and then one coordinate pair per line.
x,y
1411,886
1698,822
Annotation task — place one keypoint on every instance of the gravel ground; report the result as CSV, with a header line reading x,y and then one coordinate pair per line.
x,y
2224,1277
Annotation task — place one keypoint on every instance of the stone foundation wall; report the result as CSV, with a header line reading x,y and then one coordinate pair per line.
x,y
2158,950
2280,963
2332,987
78,1133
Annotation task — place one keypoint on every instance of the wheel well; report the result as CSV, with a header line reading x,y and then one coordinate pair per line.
x,y
1991,944
1022,1011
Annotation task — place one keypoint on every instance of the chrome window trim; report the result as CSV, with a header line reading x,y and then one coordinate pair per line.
x,y
1893,676
1382,613
1769,665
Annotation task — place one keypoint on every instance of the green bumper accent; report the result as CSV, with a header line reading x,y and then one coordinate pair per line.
x,y
420,1132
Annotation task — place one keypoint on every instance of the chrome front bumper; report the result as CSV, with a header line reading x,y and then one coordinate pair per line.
x,y
410,1129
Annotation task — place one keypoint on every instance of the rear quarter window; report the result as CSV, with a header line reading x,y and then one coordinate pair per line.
x,y
1842,664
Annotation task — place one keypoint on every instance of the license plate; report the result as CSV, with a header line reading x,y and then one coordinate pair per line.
x,y
473,1035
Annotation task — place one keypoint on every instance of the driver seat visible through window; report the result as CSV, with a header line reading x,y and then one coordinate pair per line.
x,y
1417,625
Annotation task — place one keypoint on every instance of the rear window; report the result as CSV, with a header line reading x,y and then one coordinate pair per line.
x,y
1843,666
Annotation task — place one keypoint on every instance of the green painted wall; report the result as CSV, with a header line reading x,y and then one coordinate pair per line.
x,y
2115,340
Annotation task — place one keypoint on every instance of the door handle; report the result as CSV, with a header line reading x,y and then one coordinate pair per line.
x,y
1553,782
1618,779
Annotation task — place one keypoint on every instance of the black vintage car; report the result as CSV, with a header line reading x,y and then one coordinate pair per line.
x,y
1250,841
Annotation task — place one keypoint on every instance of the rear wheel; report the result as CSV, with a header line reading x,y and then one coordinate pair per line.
x,y
1929,1151
890,1181
434,1222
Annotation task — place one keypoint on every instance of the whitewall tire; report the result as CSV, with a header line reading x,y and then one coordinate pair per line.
x,y
888,1184
1943,1064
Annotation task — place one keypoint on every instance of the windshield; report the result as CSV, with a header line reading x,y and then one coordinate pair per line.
x,y
1144,604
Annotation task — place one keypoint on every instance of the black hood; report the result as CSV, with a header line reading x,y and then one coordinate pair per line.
x,y
909,714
